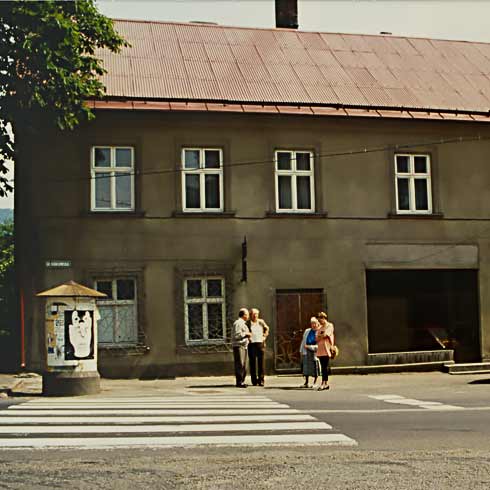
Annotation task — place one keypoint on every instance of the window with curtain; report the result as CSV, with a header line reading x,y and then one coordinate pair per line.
x,y
118,323
205,314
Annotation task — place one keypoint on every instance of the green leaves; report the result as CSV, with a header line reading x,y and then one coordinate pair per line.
x,y
48,65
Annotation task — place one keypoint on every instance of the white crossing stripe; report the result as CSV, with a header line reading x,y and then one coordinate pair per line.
x,y
151,411
154,405
235,440
99,429
160,422
153,399
401,400
54,420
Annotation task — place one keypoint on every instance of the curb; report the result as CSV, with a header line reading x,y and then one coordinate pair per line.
x,y
11,389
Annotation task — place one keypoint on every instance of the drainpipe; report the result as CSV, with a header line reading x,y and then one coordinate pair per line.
x,y
22,332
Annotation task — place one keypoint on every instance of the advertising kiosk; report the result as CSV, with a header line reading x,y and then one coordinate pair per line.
x,y
71,340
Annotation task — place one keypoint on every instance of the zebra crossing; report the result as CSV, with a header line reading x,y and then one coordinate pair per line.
x,y
161,421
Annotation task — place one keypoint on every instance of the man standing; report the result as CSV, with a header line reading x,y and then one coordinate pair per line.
x,y
259,331
240,339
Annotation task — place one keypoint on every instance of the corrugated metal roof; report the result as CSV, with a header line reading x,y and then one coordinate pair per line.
x,y
336,110
209,63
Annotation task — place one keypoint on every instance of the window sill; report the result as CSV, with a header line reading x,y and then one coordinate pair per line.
x,y
115,214
415,216
211,348
274,214
204,214
123,350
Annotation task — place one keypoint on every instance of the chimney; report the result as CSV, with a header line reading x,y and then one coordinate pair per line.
x,y
287,14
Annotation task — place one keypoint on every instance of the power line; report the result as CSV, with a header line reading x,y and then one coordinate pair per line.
x,y
317,156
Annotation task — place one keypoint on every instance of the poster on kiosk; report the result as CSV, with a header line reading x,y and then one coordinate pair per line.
x,y
71,333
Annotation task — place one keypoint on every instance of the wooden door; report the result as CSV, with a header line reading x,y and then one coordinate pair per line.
x,y
294,308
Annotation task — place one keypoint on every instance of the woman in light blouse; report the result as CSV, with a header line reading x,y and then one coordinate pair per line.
x,y
325,339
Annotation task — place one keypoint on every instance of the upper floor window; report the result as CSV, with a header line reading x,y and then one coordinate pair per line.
x,y
112,172
202,179
118,323
295,191
412,183
205,314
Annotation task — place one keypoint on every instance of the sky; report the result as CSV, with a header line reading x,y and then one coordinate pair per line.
x,y
443,19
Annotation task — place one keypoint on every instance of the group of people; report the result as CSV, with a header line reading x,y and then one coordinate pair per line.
x,y
250,333
317,348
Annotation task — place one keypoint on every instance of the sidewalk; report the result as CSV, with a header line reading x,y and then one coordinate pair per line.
x,y
25,384
30,384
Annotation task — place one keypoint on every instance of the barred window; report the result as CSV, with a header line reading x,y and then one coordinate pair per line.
x,y
118,324
204,310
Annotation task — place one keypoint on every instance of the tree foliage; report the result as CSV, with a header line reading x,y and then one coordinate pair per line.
x,y
49,67
7,279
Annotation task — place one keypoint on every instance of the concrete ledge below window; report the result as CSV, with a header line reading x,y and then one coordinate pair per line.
x,y
224,214
204,348
122,350
114,214
416,216
274,214
426,356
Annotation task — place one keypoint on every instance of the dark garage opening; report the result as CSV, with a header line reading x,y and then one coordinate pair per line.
x,y
413,310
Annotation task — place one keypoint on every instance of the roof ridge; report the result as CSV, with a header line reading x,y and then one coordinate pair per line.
x,y
281,29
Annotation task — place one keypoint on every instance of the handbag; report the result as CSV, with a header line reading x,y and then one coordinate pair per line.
x,y
334,352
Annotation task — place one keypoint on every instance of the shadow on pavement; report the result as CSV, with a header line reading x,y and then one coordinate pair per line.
x,y
206,387
480,382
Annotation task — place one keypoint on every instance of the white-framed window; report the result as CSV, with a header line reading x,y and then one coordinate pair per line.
x,y
112,176
295,185
413,184
202,179
205,310
118,323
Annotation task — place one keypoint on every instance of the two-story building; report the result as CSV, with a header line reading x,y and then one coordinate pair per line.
x,y
273,168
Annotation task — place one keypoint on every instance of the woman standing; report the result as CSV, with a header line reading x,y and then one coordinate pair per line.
x,y
308,351
325,341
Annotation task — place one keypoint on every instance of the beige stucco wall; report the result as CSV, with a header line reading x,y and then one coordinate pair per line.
x,y
331,252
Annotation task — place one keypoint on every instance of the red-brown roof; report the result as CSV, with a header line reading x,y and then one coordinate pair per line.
x,y
276,67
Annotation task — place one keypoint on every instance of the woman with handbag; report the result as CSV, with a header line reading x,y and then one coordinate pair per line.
x,y
308,351
325,340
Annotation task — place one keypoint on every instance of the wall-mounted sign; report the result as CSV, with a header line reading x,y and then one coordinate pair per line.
x,y
58,264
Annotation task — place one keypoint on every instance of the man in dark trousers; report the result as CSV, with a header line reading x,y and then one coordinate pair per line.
x,y
240,339
259,331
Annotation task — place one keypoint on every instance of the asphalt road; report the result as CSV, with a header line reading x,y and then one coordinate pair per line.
x,y
417,431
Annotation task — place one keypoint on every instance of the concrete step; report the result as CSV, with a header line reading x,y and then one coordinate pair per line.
x,y
392,368
411,357
468,368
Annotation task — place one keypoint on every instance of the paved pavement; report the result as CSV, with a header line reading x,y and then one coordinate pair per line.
x,y
417,430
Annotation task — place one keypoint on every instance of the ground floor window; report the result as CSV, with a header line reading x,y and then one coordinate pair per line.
x,y
205,313
412,310
118,323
